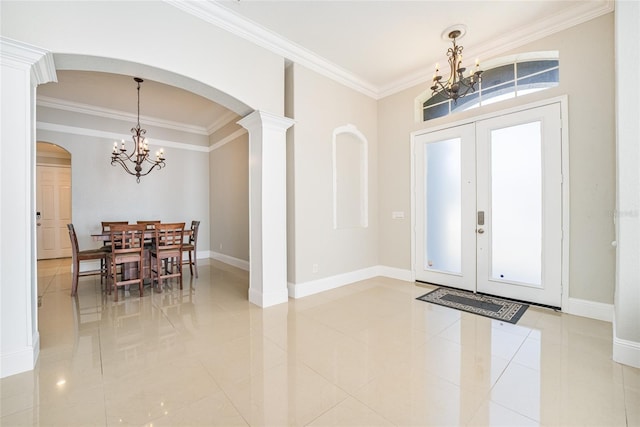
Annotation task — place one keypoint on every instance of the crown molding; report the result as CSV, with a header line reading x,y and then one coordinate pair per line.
x,y
584,12
214,13
75,107
222,121
228,20
114,136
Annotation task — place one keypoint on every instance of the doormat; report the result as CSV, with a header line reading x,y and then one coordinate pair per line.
x,y
484,305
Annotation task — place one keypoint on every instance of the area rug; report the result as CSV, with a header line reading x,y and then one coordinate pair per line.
x,y
483,305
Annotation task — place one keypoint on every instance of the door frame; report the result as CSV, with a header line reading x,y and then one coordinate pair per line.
x,y
564,112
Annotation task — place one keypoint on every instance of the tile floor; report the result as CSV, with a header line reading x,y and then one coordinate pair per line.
x,y
365,354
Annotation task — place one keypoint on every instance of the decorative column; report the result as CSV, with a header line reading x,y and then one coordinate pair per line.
x,y
23,67
267,207
626,322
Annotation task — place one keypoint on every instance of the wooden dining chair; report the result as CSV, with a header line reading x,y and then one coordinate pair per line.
x,y
127,246
167,251
191,247
86,255
106,243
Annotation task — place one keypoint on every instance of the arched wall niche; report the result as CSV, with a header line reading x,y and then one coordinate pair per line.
x,y
118,66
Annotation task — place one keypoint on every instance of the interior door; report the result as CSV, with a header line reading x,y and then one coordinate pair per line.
x,y
489,206
53,211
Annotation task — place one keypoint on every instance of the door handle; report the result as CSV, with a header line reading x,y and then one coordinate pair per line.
x,y
480,230
38,224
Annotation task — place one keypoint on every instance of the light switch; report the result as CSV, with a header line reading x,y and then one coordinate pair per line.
x,y
397,215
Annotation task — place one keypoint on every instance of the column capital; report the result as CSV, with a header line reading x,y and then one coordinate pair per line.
x,y
265,120
43,69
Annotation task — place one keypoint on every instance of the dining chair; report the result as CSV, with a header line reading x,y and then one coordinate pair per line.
x,y
150,224
106,243
86,255
127,246
167,247
191,247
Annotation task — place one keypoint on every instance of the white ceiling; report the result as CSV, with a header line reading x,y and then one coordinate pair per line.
x,y
376,47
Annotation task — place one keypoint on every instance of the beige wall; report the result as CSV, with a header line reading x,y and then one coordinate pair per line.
x,y
318,106
586,76
229,198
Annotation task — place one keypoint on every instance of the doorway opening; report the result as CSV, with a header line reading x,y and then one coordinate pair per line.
x,y
53,201
489,206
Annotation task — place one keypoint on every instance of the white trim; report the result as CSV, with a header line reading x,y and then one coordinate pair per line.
x,y
22,360
513,40
590,309
625,351
299,290
263,299
221,121
395,273
228,20
564,108
227,259
114,136
227,139
92,110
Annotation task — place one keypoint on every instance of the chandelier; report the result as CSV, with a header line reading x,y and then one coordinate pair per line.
x,y
457,85
134,163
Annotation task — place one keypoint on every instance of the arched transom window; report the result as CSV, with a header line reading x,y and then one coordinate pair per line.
x,y
508,80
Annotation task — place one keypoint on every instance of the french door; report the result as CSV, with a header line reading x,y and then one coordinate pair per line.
x,y
489,206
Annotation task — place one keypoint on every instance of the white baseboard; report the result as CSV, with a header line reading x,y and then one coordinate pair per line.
x,y
21,360
590,309
395,273
236,262
299,290
625,351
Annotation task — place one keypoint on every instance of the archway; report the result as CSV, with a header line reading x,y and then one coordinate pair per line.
x,y
24,69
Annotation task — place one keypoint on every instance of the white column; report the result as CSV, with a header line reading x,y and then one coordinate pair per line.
x,y
22,68
626,324
267,207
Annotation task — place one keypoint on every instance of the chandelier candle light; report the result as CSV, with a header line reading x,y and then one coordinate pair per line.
x,y
133,163
456,86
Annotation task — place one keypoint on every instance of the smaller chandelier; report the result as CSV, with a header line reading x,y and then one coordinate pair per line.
x,y
457,85
136,162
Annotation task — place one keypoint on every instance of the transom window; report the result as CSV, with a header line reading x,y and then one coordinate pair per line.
x,y
501,82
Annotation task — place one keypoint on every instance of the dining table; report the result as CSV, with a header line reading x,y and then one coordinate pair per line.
x,y
131,269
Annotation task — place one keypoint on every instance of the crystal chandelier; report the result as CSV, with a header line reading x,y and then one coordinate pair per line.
x,y
457,85
135,162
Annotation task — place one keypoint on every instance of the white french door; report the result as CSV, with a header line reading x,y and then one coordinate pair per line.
x,y
489,206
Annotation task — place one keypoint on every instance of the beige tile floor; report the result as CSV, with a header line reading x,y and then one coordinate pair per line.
x,y
366,354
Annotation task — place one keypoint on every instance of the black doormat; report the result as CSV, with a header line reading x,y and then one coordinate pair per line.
x,y
484,305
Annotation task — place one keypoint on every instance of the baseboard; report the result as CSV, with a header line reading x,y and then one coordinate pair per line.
x,y
299,290
236,262
625,351
267,300
590,309
395,273
20,361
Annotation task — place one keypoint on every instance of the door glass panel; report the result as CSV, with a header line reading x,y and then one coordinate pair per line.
x,y
443,240
516,203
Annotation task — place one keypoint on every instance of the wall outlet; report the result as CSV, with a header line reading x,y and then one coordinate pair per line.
x,y
220,245
314,268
